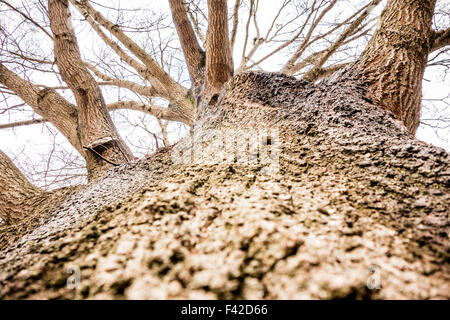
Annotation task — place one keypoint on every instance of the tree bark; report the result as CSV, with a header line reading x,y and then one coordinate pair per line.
x,y
332,188
394,61
193,53
98,134
353,192
17,194
219,63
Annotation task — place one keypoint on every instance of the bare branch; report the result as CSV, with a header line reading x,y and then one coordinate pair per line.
x,y
174,90
235,24
314,73
157,111
288,65
130,85
21,123
28,18
94,120
46,103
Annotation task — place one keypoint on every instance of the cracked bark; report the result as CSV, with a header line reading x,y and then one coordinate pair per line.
x,y
394,61
354,190
219,64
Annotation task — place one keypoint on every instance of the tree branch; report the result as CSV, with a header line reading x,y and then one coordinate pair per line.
x,y
132,86
94,119
193,53
157,111
441,39
174,90
26,17
235,24
219,64
21,123
394,61
17,194
314,73
47,103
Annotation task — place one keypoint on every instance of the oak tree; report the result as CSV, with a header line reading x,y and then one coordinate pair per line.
x,y
349,187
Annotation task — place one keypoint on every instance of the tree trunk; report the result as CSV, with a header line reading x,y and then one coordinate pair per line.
x,y
219,61
345,205
16,193
394,61
103,144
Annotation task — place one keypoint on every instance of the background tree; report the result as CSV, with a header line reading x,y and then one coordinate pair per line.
x,y
348,161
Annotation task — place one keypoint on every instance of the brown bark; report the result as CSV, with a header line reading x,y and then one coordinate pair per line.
x,y
219,64
353,190
193,53
395,58
17,194
98,134
441,39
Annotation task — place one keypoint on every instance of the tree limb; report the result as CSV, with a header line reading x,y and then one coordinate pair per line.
x,y
157,111
130,85
192,51
21,123
47,103
235,24
174,90
314,72
441,39
219,64
94,120
17,194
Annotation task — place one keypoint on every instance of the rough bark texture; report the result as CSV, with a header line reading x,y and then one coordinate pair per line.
x,y
354,189
396,56
98,134
219,64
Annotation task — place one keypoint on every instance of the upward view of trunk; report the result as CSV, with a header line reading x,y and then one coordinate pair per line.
x,y
394,61
285,188
356,209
